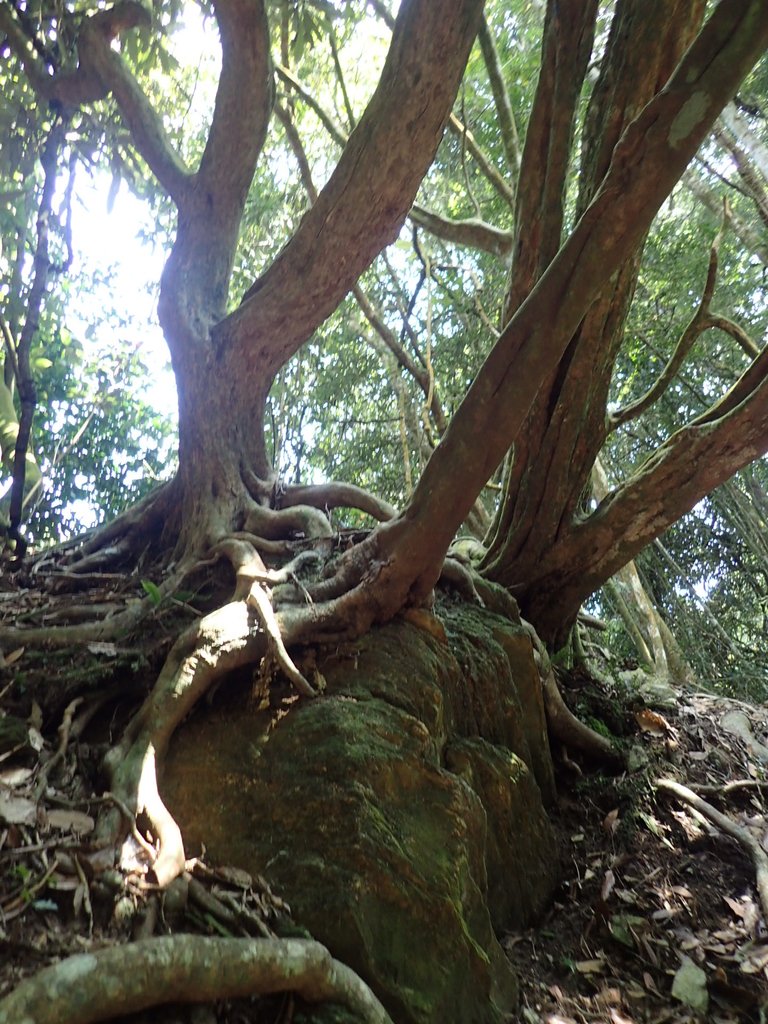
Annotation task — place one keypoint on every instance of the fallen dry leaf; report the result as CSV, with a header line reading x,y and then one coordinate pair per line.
x,y
71,821
611,821
13,657
609,881
652,722
17,810
590,966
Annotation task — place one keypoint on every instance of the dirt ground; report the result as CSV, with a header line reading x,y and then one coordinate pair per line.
x,y
658,917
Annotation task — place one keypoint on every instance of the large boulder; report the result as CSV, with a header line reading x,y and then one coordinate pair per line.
x,y
401,814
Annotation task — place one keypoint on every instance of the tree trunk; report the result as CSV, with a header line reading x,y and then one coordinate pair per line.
x,y
544,544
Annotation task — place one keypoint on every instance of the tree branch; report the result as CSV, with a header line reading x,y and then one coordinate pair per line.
x,y
698,323
649,159
420,374
687,466
751,239
566,46
737,332
460,130
102,70
509,136
243,103
141,119
739,127
337,133
363,205
471,232
754,185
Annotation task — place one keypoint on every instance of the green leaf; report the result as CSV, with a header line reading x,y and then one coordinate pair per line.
x,y
152,591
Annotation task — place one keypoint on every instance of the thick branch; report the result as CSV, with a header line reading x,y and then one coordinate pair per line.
x,y
368,196
690,464
739,335
471,232
143,122
243,102
566,46
647,162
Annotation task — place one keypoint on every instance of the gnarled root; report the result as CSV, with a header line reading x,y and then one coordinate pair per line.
x,y
565,727
743,836
334,494
218,643
185,968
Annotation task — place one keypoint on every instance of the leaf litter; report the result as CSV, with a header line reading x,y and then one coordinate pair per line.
x,y
657,919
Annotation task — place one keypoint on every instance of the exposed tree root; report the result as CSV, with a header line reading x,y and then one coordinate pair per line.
x,y
336,495
185,968
562,724
110,628
727,825
370,582
218,643
565,727
253,578
460,577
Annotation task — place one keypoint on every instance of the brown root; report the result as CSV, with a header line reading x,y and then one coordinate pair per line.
x,y
743,836
277,524
334,494
566,728
185,968
460,577
216,644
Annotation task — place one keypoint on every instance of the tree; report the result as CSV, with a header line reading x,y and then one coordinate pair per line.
x,y
540,398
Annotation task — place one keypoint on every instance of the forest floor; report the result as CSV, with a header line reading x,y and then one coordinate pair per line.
x,y
657,918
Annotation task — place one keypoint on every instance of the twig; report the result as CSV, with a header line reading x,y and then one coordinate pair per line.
x,y
64,728
726,788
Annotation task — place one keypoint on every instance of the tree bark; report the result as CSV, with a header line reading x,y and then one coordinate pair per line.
x,y
645,164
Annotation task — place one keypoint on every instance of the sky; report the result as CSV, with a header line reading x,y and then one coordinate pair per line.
x,y
107,239
107,235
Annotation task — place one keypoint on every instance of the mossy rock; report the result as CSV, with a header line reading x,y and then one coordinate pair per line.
x,y
383,813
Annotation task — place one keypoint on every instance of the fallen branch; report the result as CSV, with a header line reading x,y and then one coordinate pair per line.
x,y
730,828
185,968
